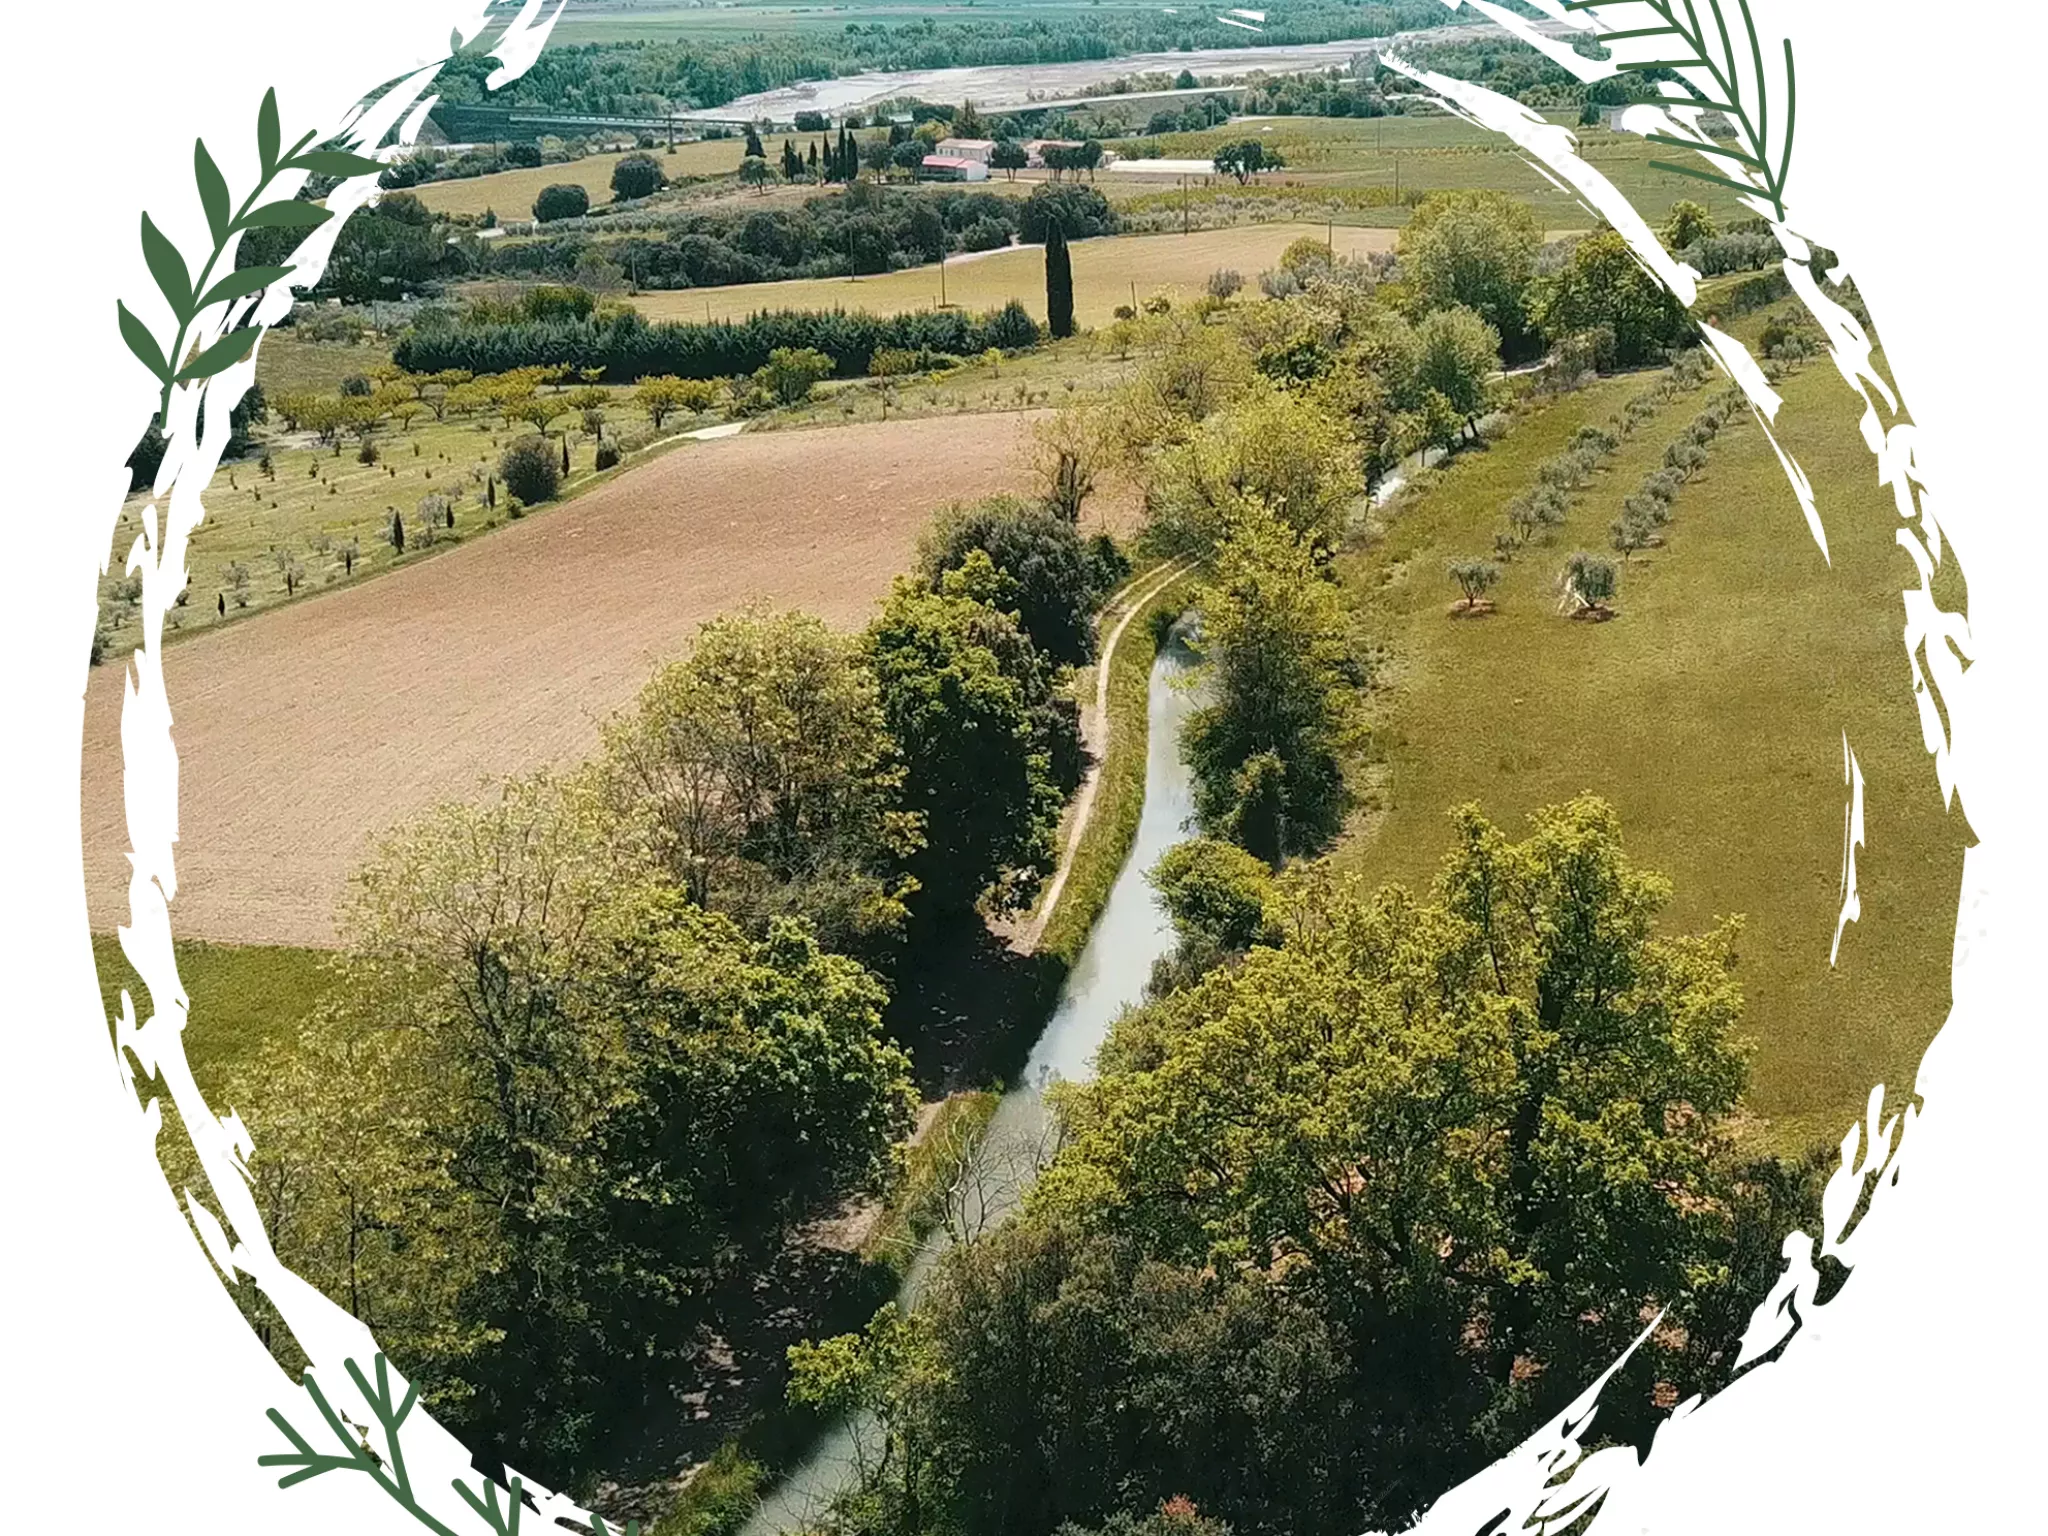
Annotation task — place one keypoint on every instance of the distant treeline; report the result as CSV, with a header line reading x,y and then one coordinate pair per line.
x,y
627,346
641,78
868,230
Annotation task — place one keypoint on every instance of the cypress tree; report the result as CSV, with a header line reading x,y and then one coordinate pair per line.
x,y
754,148
397,531
1059,281
565,437
813,158
792,162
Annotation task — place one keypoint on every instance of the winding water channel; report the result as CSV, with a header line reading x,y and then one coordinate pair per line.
x,y
1109,976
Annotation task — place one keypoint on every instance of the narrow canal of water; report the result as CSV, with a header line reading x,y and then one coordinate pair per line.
x,y
1110,975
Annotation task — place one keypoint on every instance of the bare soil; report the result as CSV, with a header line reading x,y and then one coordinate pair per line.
x,y
305,733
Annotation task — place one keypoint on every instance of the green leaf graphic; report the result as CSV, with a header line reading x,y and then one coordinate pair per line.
x,y
168,268
142,344
267,134
334,162
239,285
289,213
225,353
213,191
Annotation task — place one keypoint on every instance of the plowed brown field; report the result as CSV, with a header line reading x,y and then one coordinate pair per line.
x,y
304,733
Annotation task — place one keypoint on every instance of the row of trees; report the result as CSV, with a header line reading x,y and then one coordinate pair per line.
x,y
867,229
627,347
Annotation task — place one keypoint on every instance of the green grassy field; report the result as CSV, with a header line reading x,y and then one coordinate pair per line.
x,y
241,994
1711,712
510,194
1107,272
1439,153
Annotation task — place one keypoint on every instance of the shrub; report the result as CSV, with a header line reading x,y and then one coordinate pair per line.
x,y
607,455
1587,582
563,200
1474,578
637,176
355,387
435,511
1225,282
530,470
790,372
367,454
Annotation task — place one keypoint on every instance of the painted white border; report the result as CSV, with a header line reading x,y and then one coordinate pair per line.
x,y
142,1389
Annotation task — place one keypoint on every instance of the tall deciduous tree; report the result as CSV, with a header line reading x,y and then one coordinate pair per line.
x,y
766,771
1274,642
1478,250
990,746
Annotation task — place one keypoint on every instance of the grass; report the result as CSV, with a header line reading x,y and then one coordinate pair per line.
x,y
1107,273
1710,712
510,194
1440,153
319,500
1120,794
933,1162
241,996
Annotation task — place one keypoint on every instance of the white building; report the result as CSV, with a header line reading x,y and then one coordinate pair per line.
x,y
952,168
966,149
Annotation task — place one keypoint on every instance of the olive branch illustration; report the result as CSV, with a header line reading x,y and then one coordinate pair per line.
x,y
190,297
1696,54
388,1469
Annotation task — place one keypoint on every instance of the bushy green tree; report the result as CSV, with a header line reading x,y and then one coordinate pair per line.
x,y
1273,446
790,373
1213,891
1459,353
622,1096
990,747
1602,284
1476,250
564,200
1054,582
530,470
1275,645
765,772
1687,221
637,176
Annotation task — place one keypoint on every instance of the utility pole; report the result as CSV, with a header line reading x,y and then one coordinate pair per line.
x,y
942,276
1183,205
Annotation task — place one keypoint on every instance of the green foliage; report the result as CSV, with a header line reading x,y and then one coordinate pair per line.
x,y
1602,284
1079,212
563,200
1213,891
1272,446
1686,223
1275,648
1475,250
628,348
1587,583
1059,283
637,176
1055,581
1245,159
557,1102
1475,578
771,786
790,372
1459,353
530,469
990,745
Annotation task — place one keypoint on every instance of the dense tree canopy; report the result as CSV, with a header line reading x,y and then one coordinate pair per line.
x,y
1053,578
1603,284
989,746
591,1098
770,781
1476,250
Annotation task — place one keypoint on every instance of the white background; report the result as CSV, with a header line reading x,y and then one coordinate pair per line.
x,y
134,1396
